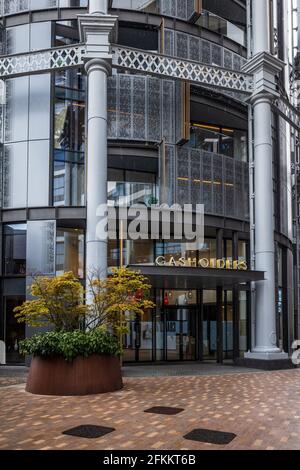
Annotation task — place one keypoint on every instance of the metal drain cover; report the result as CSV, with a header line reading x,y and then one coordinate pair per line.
x,y
210,437
164,410
88,431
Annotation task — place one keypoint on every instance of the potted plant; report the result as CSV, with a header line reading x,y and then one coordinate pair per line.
x,y
80,355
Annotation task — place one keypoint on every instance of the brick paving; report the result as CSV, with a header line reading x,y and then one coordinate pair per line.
x,y
263,409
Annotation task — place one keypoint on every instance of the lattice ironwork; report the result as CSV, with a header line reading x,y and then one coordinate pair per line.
x,y
41,61
288,112
163,66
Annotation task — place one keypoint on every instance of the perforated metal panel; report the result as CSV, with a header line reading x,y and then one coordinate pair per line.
x,y
181,49
138,108
216,55
142,108
218,182
154,109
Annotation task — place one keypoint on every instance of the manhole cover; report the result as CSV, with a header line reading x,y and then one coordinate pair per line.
x,y
164,410
88,431
210,437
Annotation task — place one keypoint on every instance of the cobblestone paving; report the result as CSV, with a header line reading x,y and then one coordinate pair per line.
x,y
263,409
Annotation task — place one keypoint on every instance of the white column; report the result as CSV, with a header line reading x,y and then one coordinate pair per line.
x,y
96,249
261,26
264,68
98,7
97,31
265,337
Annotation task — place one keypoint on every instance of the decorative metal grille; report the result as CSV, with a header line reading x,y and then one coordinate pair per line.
x,y
41,61
288,112
164,66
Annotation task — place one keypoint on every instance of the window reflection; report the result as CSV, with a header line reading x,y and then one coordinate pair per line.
x,y
15,250
131,187
229,142
69,139
14,332
70,251
221,26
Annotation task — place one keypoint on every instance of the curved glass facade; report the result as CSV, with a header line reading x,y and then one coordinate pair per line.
x,y
10,7
168,142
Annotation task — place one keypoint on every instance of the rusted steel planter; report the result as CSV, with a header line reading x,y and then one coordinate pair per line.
x,y
84,376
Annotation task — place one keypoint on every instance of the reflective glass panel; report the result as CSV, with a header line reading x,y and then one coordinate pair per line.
x,y
15,249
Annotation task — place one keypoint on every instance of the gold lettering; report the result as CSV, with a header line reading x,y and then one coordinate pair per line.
x,y
204,263
242,265
221,263
173,261
160,261
229,264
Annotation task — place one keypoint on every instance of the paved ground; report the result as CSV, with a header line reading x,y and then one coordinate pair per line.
x,y
262,408
183,370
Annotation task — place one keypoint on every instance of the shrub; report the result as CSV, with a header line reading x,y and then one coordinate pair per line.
x,y
70,345
58,302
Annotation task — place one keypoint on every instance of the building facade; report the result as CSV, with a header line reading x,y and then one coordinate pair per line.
x,y
151,102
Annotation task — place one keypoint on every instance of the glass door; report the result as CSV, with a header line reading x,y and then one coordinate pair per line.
x,y
209,325
181,334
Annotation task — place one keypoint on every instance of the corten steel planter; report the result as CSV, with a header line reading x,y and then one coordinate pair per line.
x,y
84,376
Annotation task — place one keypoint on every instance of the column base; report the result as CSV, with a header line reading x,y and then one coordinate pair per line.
x,y
266,361
267,356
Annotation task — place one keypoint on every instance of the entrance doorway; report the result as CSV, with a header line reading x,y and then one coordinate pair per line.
x,y
14,332
181,333
209,325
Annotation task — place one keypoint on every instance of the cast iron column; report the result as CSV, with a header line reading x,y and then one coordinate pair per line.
x,y
96,30
264,67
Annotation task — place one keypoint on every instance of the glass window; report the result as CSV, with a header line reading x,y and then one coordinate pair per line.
x,y
131,187
40,34
177,297
70,251
229,251
39,102
177,250
146,337
15,250
229,142
69,178
17,38
69,139
15,175
16,109
14,332
113,253
243,322
242,251
140,252
69,130
38,173
40,255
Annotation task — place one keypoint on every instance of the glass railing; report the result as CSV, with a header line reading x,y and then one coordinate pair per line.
x,y
10,7
221,26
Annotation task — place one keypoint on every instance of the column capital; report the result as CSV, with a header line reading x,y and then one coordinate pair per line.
x,y
264,67
98,64
262,97
98,32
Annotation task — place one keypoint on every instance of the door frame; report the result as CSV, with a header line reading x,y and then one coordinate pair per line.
x,y
195,310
